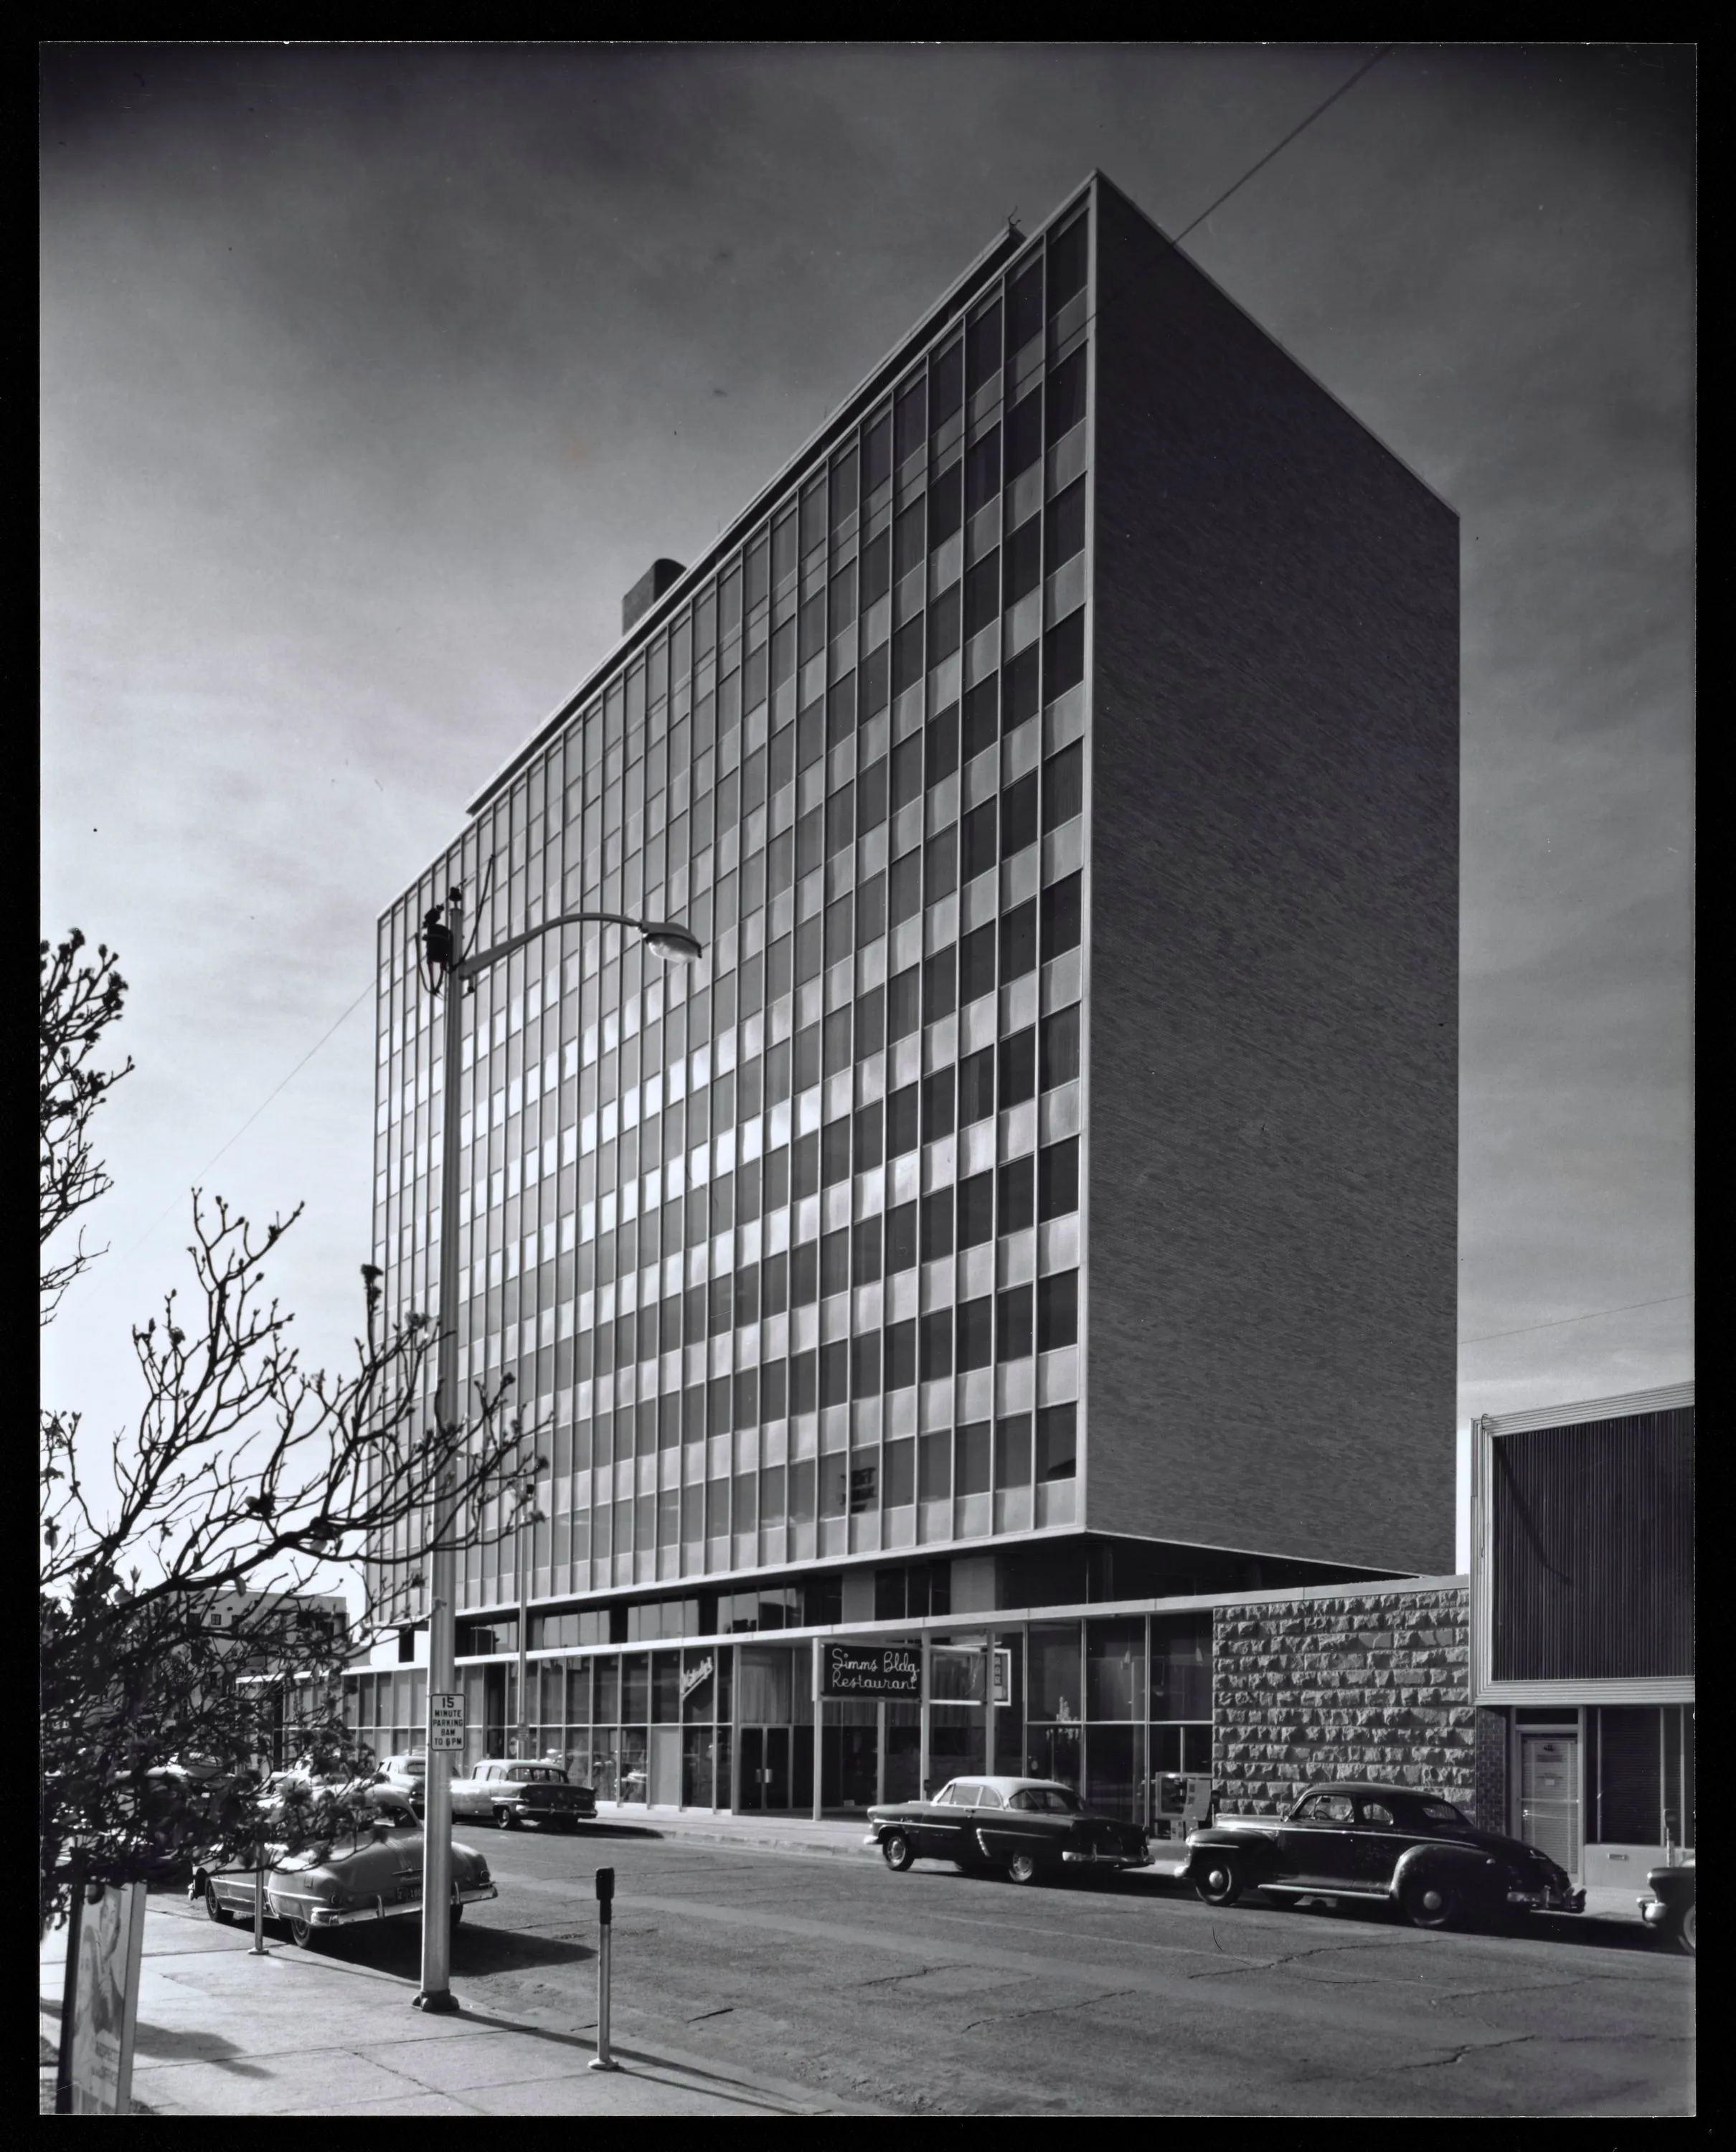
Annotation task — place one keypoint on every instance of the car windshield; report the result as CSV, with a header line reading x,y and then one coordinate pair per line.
x,y
1045,1800
539,1774
414,1767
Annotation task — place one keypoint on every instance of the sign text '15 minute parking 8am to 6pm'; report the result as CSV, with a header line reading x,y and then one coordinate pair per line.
x,y
872,1670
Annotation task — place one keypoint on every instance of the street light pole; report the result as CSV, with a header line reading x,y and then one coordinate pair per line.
x,y
674,944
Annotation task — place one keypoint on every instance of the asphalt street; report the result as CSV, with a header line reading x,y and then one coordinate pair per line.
x,y
936,1993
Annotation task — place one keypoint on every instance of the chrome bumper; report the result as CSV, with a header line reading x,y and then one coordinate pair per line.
x,y
1094,1860
343,1917
1546,1900
1653,1911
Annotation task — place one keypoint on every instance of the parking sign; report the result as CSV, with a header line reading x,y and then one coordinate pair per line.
x,y
445,1720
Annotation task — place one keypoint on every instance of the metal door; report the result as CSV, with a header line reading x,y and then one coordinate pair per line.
x,y
752,1754
764,1767
1549,1795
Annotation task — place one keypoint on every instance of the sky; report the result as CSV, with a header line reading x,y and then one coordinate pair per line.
x,y
373,376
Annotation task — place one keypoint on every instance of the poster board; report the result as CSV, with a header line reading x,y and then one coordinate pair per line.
x,y
106,2000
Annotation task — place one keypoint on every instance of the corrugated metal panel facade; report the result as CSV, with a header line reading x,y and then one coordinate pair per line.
x,y
1592,1539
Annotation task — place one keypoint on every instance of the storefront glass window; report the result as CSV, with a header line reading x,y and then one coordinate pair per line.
x,y
955,1742
1115,1669
767,1685
1113,1771
606,1763
1181,1667
635,1686
1057,1691
665,1686
1053,1751
608,1691
1009,1718
697,1747
633,1780
1628,1782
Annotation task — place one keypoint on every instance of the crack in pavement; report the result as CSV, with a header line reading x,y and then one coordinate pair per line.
x,y
1049,2009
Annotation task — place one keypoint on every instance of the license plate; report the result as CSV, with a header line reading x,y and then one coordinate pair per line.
x,y
409,1894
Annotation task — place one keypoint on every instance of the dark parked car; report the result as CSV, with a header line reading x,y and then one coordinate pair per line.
x,y
1386,1843
371,1871
1033,1829
1669,1910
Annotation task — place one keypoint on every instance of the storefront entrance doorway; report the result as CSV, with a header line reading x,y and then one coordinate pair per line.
x,y
1548,1816
765,1781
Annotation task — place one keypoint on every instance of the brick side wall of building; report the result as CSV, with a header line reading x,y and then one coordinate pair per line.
x,y
1370,1686
1273,1065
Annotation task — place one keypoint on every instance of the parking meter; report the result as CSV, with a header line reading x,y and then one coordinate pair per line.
x,y
605,1896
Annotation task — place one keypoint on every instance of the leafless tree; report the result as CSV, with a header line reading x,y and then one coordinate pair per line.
x,y
79,1002
242,1480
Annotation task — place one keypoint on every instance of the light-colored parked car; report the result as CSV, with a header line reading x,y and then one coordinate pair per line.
x,y
368,1872
510,1793
399,1780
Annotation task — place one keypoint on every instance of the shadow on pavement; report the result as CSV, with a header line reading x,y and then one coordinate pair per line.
x,y
162,2044
396,1947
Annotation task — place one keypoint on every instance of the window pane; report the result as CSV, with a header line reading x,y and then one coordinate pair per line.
x,y
976,1209
1058,1311
1058,1055
1056,1690
1061,903
1012,1323
1056,1442
976,1329
1016,1193
1057,1178
1181,1667
973,1459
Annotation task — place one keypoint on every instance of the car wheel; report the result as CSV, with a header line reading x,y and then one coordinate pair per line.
x,y
304,1934
1683,1928
897,1851
1221,1882
504,1820
1024,1868
215,1911
1432,1902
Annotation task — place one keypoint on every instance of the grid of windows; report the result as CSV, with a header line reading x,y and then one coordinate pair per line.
x,y
785,1248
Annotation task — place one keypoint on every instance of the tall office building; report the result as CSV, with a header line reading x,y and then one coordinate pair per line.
x,y
1043,1193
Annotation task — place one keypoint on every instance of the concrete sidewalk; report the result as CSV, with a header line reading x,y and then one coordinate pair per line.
x,y
221,2032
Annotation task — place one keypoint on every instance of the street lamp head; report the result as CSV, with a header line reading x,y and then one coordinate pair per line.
x,y
674,943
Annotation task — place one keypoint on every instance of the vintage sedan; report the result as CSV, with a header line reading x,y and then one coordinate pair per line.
x,y
1668,1909
398,1780
1033,1829
509,1794
369,1871
1393,1845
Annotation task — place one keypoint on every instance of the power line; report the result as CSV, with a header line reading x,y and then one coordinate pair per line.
x,y
1286,143
1590,1315
256,1113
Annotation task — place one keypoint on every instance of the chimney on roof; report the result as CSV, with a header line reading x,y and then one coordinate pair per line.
x,y
660,577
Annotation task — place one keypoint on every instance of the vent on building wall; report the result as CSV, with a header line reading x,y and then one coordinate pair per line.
x,y
660,577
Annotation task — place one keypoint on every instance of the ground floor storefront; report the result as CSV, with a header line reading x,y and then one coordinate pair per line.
x,y
1111,1704
1606,1789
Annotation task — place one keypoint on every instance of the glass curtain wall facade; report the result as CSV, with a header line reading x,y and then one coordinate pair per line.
x,y
1106,1705
783,1251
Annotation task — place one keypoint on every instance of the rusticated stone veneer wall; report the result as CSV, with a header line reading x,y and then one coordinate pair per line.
x,y
1373,1685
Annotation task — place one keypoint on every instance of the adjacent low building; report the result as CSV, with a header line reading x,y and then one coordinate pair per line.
x,y
1582,1637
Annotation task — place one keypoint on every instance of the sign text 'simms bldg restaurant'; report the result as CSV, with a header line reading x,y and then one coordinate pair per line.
x,y
1032,1224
